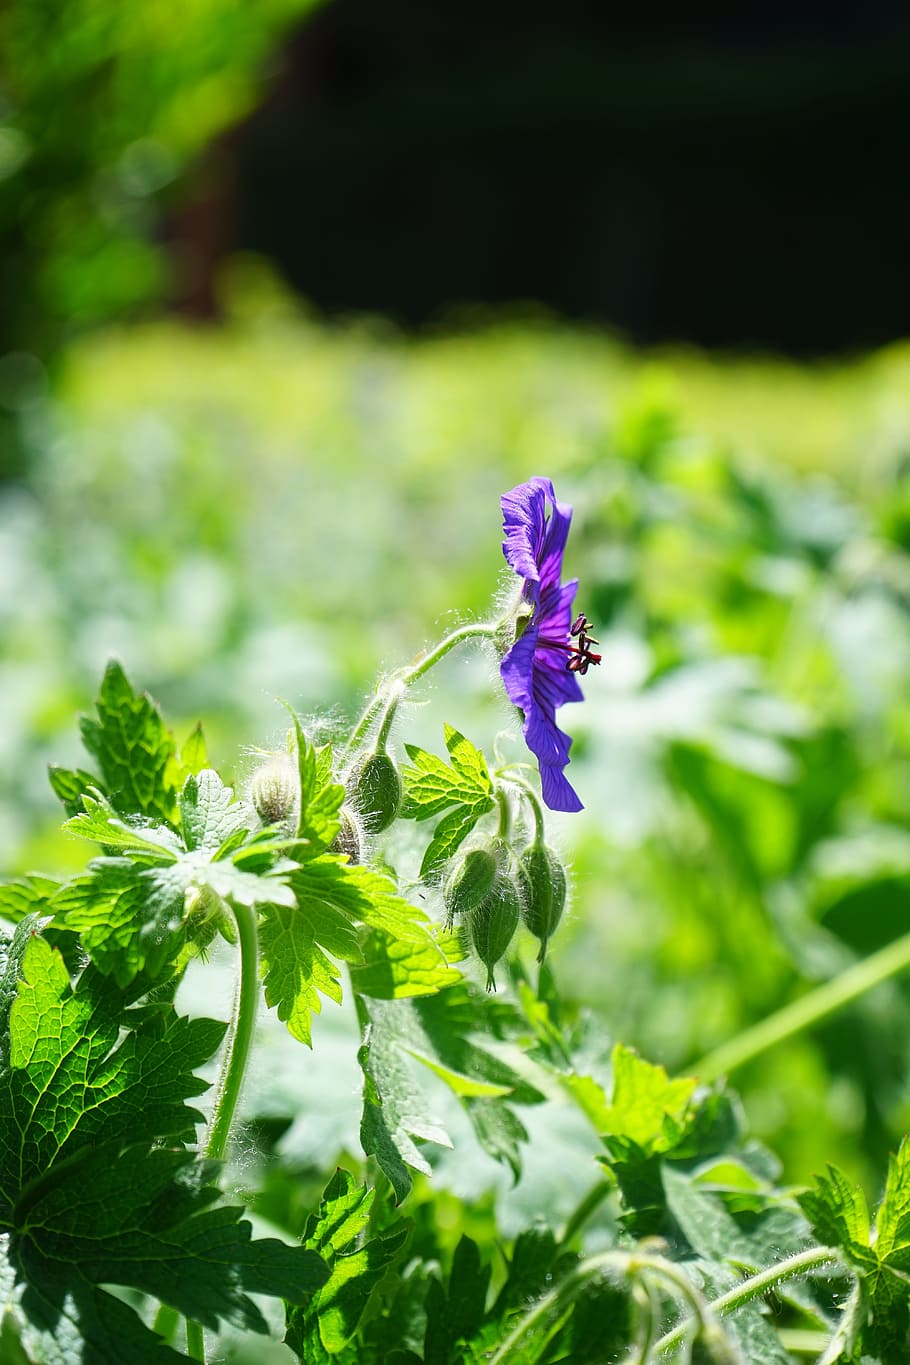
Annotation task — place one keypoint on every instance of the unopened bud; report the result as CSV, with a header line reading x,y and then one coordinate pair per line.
x,y
469,883
376,789
273,790
349,839
544,886
492,924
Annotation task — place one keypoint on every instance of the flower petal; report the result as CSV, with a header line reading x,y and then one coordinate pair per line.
x,y
524,520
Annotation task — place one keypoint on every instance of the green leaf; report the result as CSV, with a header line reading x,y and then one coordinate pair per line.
x,y
431,784
645,1107
448,836
70,785
394,1108
68,1082
320,796
330,1317
193,756
892,1223
707,1226
839,1215
100,823
395,968
133,749
455,1314
297,971
26,896
333,900
130,918
439,1032
89,1195
208,812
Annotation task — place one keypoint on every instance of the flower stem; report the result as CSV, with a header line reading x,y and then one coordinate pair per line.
x,y
533,801
621,1263
751,1288
233,1066
808,1010
406,676
583,1210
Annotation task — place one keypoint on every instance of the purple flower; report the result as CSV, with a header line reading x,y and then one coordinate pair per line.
x,y
540,670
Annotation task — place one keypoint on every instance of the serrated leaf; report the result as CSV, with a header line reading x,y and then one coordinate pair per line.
x,y
892,1223
89,1196
297,971
839,1215
449,835
70,785
455,1314
436,1031
394,1108
130,918
100,823
193,756
431,784
320,796
29,895
208,812
645,1106
68,1082
334,1311
395,968
133,748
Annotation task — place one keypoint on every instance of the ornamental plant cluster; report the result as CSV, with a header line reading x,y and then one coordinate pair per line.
x,y
119,1238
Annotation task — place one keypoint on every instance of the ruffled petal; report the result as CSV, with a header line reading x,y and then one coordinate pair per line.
x,y
524,520
517,670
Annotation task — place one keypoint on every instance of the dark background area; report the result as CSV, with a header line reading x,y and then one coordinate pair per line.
x,y
732,176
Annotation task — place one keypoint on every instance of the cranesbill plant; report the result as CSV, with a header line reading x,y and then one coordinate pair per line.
x,y
116,1243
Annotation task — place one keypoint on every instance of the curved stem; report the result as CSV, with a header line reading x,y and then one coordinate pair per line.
x,y
382,735
533,801
237,1051
810,1009
233,1067
406,676
505,813
751,1288
625,1263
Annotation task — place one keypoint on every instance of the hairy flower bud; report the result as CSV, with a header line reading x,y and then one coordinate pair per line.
x,y
273,790
492,924
349,838
376,789
469,883
544,886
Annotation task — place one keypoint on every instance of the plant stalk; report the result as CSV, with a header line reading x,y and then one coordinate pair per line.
x,y
752,1288
810,1009
233,1067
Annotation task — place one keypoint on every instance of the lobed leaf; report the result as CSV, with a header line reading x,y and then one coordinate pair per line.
x,y
134,750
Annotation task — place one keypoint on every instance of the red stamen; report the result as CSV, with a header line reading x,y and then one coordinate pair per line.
x,y
581,656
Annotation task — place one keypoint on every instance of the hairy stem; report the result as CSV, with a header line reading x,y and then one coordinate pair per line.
x,y
810,1009
533,801
621,1263
233,1066
752,1288
394,688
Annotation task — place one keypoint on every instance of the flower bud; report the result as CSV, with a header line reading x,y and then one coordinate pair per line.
x,y
469,883
492,924
349,838
375,787
544,885
273,790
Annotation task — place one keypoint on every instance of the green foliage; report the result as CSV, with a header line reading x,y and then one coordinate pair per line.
x,y
432,785
92,1086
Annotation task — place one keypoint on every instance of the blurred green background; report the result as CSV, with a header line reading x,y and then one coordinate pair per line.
x,y
275,505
